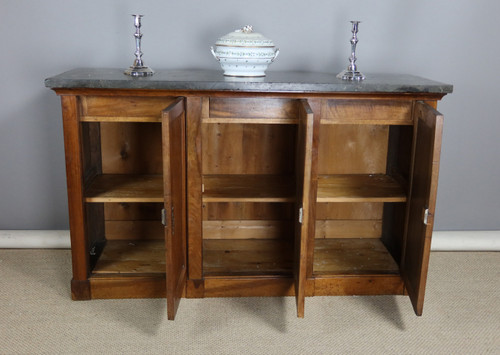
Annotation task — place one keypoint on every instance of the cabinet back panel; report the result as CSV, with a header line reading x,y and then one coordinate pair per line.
x,y
349,220
134,230
247,210
353,149
132,211
348,228
346,210
248,149
247,229
133,221
131,148
247,220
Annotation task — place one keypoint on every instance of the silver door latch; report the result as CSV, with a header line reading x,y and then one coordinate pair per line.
x,y
426,216
163,217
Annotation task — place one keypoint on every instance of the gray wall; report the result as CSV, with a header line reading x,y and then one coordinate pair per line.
x,y
450,41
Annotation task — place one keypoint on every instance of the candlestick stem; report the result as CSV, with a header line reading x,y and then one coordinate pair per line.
x,y
352,73
138,68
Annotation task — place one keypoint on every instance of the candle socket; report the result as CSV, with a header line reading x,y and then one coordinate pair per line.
x,y
352,73
138,69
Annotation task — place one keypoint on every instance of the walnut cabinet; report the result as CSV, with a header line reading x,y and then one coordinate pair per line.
x,y
197,187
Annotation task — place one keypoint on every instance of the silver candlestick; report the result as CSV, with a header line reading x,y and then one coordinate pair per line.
x,y
352,73
138,68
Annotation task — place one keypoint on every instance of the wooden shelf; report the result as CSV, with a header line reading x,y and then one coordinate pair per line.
x,y
352,256
248,188
249,257
359,188
132,257
125,188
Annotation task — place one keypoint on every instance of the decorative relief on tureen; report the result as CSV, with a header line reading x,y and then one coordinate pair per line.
x,y
223,53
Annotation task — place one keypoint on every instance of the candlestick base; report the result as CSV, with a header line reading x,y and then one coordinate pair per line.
x,y
140,71
351,75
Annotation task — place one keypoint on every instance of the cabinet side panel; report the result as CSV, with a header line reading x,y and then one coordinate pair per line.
x,y
91,150
74,177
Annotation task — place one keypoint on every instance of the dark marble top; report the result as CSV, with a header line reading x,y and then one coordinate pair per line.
x,y
213,80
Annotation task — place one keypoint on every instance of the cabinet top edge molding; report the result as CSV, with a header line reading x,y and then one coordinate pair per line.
x,y
273,82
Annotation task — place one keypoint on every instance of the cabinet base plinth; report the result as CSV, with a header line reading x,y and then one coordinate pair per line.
x,y
359,285
249,287
103,287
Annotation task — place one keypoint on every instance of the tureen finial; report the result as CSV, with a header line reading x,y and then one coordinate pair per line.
x,y
246,29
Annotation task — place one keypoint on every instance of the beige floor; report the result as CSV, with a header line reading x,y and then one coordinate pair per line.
x,y
461,316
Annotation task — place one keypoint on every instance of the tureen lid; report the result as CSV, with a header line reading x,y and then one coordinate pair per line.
x,y
244,37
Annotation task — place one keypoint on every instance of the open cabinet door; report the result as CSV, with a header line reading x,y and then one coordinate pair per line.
x,y
428,130
303,200
174,213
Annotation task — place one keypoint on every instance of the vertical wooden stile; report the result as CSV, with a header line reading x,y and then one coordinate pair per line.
x,y
194,109
80,287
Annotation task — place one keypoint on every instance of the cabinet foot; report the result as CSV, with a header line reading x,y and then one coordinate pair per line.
x,y
80,290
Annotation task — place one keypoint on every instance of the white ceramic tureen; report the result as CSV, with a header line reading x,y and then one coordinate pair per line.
x,y
244,53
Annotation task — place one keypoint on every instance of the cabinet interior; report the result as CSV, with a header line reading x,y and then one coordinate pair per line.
x,y
124,195
363,179
248,192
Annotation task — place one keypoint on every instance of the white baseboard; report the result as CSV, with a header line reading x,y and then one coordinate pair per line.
x,y
441,240
34,239
465,241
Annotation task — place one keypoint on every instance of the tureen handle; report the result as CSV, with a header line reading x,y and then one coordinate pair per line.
x,y
276,52
216,56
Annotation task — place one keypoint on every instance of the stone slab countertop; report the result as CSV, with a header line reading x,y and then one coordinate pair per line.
x,y
213,80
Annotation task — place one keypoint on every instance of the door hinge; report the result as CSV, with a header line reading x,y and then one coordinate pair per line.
x,y
426,216
301,213
163,217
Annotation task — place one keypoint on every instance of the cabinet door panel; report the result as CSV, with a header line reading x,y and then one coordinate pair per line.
x,y
174,177
428,127
304,200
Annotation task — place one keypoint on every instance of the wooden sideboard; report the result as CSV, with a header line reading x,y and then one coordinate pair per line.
x,y
189,184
